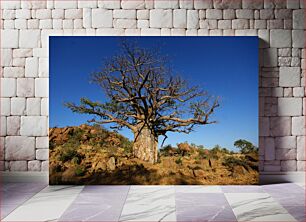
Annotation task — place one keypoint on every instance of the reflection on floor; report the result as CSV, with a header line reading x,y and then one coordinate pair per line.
x,y
40,202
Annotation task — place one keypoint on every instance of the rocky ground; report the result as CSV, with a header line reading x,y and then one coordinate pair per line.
x,y
92,155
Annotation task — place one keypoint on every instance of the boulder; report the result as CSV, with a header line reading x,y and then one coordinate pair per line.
x,y
111,163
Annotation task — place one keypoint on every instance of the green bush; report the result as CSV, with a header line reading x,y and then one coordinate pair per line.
x,y
80,171
68,152
168,150
230,162
179,161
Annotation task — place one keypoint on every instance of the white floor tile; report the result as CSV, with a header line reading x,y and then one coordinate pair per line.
x,y
257,207
149,203
47,205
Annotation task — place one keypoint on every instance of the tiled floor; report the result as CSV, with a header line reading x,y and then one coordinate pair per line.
x,y
39,202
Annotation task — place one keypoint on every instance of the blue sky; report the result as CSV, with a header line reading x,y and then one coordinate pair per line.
x,y
224,66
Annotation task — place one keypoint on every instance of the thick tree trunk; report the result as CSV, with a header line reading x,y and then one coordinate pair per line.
x,y
145,146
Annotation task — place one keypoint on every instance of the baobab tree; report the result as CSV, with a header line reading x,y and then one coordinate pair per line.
x,y
144,96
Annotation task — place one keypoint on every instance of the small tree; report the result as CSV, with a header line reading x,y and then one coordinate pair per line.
x,y
245,146
145,97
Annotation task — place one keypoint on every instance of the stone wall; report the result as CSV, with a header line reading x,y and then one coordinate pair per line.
x,y
26,26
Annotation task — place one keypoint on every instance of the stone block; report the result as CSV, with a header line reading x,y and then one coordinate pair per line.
x,y
13,125
23,14
109,4
299,19
18,106
192,19
19,62
295,62
42,154
22,53
298,38
58,13
266,14
264,126
150,32
124,14
285,142
283,14
125,23
269,148
252,4
142,24
86,18
214,14
224,24
280,38
160,18
8,14
301,166
229,14
18,166
227,4
203,4
43,67
34,126
45,24
143,14
68,24
42,142
43,13
66,4
45,107
298,126
280,126
285,154
8,87
133,4
288,165
6,57
298,92
41,87
166,4
13,72
87,4
10,5
301,148
20,23
25,87
33,106
34,165
289,106
187,4
29,38
240,24
289,76
245,14
45,165
9,38
288,92
180,18
5,106
33,4
31,67
293,4
3,132
73,13
102,18
19,148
